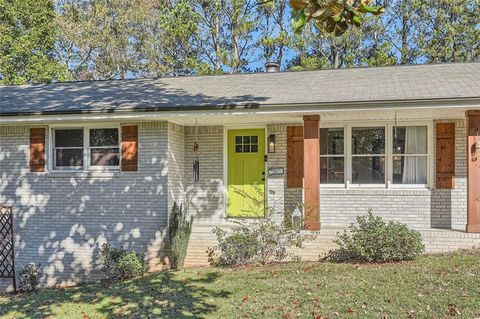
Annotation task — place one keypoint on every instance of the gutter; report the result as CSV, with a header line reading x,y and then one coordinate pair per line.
x,y
166,113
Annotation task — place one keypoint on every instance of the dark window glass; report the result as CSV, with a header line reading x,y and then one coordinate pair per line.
x,y
68,157
331,141
246,148
368,170
246,140
238,140
69,138
254,139
104,137
105,157
368,140
238,148
332,170
254,148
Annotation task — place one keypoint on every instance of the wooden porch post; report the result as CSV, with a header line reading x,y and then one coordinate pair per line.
x,y
311,171
473,171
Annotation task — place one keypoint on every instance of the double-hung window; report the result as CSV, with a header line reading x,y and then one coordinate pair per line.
x,y
375,156
368,155
332,155
68,148
85,148
410,155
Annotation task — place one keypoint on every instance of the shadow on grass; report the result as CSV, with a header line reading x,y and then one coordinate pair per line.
x,y
156,295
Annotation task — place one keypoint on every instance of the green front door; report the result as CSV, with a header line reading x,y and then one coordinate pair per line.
x,y
246,173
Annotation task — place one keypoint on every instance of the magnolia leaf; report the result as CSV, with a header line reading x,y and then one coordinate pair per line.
x,y
299,18
298,4
356,20
375,10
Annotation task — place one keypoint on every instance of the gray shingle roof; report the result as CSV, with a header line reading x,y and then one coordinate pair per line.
x,y
399,83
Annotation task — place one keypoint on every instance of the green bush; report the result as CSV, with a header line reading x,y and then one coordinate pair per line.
x,y
119,264
374,240
30,277
179,235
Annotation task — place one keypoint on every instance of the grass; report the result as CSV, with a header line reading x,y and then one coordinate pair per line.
x,y
429,287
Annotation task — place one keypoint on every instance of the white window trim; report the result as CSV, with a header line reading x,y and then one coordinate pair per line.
x,y
337,185
86,147
388,154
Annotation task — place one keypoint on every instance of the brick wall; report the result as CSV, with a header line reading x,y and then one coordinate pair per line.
x,y
61,219
205,199
176,164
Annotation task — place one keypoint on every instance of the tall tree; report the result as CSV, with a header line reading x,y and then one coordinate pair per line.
x,y
27,38
100,39
273,30
240,23
451,31
172,45
212,33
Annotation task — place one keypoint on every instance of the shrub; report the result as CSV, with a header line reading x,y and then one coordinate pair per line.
x,y
119,264
179,235
236,249
30,277
374,240
259,240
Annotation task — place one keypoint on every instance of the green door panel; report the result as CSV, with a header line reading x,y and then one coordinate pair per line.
x,y
246,173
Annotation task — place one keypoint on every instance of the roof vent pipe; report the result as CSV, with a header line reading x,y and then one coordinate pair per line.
x,y
272,67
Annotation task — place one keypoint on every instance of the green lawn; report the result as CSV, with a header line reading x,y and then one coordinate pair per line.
x,y
429,287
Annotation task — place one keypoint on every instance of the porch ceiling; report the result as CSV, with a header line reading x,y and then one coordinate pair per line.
x,y
209,119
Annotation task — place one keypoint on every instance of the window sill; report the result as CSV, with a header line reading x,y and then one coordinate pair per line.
x,y
83,174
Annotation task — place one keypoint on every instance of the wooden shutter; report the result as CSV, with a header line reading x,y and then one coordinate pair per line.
x,y
445,155
37,149
294,156
129,148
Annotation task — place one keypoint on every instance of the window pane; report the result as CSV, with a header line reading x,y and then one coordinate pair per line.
x,y
69,138
104,137
410,140
68,157
368,170
368,140
410,170
104,157
254,139
331,141
332,170
238,140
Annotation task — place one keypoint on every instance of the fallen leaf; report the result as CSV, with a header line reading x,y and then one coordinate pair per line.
x,y
452,310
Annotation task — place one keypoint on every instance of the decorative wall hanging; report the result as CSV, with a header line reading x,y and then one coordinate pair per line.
x,y
196,162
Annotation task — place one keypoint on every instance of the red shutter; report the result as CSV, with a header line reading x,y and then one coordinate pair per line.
x,y
294,156
129,148
37,150
445,155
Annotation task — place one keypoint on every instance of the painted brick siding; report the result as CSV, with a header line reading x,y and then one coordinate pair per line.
x,y
61,219
449,207
420,208
176,164
205,199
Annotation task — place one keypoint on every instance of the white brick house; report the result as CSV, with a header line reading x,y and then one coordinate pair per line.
x,y
92,162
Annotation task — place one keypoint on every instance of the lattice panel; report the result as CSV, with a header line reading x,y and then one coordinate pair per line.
x,y
7,266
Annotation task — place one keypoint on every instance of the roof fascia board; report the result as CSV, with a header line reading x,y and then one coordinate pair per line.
x,y
143,115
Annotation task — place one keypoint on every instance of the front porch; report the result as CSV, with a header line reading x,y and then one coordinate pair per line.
x,y
436,241
441,195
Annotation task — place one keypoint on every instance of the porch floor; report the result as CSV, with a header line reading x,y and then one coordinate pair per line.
x,y
435,240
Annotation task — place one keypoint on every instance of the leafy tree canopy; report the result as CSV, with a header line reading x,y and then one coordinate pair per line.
x,y
27,40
